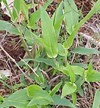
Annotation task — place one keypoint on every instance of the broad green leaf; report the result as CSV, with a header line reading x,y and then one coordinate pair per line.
x,y
96,102
72,15
61,50
78,70
34,17
18,99
68,89
71,73
94,76
55,89
34,90
85,51
49,35
62,102
68,43
39,96
8,27
57,18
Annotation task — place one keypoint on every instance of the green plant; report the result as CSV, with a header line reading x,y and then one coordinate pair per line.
x,y
49,52
96,103
33,97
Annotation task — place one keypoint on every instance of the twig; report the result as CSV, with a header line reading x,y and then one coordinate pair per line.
x,y
54,79
45,74
34,70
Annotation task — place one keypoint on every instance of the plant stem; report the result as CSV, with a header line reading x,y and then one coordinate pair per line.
x,y
74,98
23,42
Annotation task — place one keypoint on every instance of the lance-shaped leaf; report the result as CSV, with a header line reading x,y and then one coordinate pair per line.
x,y
49,36
71,73
85,51
55,89
34,17
72,16
57,18
24,9
58,101
68,89
16,9
19,6
96,8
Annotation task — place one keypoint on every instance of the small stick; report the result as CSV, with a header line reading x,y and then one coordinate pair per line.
x,y
13,60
